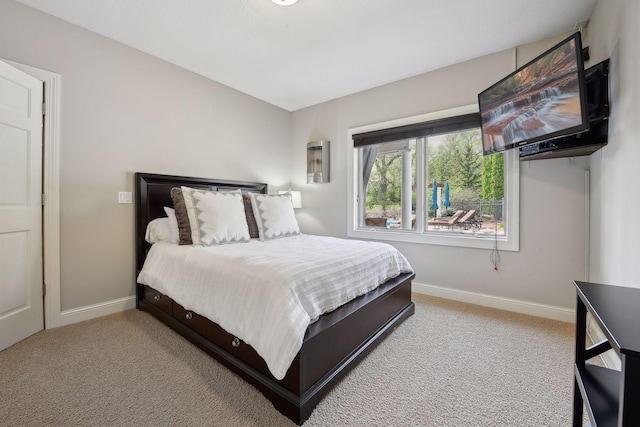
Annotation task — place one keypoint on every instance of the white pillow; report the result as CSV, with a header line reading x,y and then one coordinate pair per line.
x,y
173,220
159,230
215,217
274,215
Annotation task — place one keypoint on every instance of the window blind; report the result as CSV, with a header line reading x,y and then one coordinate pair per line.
x,y
417,130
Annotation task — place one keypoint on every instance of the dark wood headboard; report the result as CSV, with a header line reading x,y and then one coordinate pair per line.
x,y
153,193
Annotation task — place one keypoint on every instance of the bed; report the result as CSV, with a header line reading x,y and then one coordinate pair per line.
x,y
332,345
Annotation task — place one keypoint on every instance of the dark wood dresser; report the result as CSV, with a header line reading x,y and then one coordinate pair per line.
x,y
612,397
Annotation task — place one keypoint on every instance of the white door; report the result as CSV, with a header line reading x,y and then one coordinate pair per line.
x,y
21,299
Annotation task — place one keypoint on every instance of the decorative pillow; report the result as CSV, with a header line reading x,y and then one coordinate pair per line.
x,y
274,215
215,217
173,222
182,218
251,219
159,230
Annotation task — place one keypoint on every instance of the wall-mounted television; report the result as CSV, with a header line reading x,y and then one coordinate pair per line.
x,y
542,100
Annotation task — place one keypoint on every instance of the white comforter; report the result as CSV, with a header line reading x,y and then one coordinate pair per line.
x,y
267,293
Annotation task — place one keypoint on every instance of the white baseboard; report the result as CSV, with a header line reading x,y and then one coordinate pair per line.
x,y
518,306
75,315
89,312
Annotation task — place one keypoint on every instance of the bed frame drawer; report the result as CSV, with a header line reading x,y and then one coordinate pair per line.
x,y
156,299
237,347
196,322
218,335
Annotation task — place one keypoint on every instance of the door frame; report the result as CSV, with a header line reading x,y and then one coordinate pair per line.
x,y
50,188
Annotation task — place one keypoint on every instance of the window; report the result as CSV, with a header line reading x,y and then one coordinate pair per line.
x,y
424,179
388,184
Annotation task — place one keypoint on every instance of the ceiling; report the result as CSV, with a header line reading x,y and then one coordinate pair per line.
x,y
318,50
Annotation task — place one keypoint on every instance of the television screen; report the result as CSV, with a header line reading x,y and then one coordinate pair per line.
x,y
542,100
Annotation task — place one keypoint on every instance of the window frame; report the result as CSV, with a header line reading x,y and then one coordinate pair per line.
x,y
512,198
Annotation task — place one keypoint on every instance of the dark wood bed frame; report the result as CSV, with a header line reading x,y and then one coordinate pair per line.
x,y
332,346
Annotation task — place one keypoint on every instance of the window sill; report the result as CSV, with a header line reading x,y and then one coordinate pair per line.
x,y
445,239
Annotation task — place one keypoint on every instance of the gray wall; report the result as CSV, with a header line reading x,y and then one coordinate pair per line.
x,y
122,112
615,232
552,192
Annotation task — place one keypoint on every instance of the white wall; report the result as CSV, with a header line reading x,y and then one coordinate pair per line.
x,y
123,112
552,192
615,202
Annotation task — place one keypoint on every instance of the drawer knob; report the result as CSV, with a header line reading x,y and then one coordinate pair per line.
x,y
157,297
235,342
189,315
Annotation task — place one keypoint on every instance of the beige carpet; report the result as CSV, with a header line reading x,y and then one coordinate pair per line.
x,y
451,364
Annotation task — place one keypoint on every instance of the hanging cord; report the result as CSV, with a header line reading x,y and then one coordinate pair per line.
x,y
495,253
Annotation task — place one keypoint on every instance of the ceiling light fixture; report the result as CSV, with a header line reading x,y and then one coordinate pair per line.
x,y
284,2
